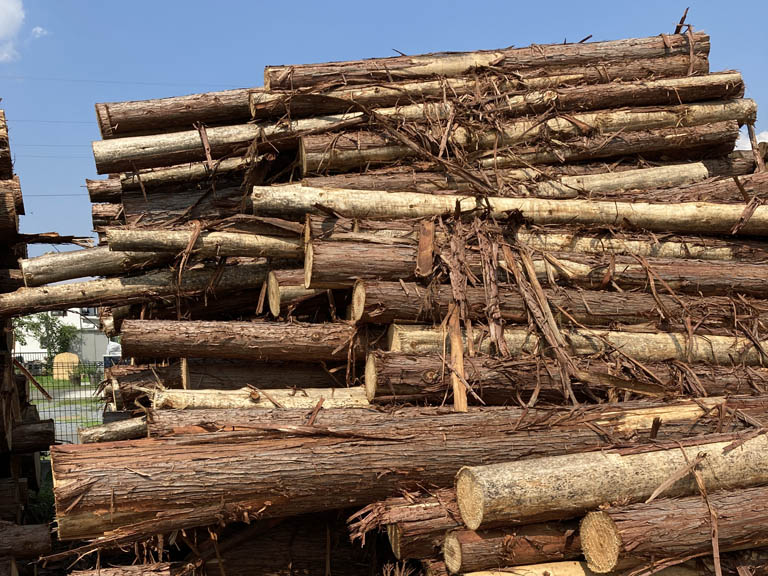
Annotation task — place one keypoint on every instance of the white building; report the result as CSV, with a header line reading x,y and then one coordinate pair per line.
x,y
90,343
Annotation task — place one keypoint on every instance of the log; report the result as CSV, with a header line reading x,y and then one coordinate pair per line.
x,y
397,377
167,149
358,456
30,541
285,289
670,527
9,218
469,551
118,119
641,346
33,436
569,485
154,285
250,398
293,200
377,70
165,210
575,568
114,431
104,190
240,340
10,280
6,163
207,244
98,261
12,500
14,186
156,569
434,567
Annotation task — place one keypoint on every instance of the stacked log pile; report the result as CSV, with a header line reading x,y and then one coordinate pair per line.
x,y
22,433
540,268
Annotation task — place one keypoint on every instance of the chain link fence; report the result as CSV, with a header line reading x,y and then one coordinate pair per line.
x,y
73,387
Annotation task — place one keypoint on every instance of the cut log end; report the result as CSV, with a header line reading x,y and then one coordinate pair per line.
x,y
370,377
600,542
470,498
273,294
452,553
357,306
308,262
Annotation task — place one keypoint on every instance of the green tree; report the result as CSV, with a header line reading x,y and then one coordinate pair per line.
x,y
54,336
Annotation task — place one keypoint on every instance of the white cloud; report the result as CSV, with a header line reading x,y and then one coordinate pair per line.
x,y
39,32
743,141
11,19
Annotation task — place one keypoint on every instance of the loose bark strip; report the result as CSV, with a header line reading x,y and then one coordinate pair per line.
x,y
569,485
249,398
355,460
99,261
134,289
460,63
240,340
678,527
640,346
285,288
118,119
694,217
469,551
207,244
119,430
29,541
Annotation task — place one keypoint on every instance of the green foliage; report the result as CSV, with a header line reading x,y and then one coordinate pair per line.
x,y
54,336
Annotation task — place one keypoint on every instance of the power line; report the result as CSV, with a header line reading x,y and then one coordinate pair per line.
x,y
117,82
52,156
54,195
17,145
12,120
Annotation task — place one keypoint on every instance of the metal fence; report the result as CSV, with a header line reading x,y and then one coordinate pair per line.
x,y
73,387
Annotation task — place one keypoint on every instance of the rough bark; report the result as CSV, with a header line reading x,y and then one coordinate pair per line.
x,y
30,541
14,186
249,398
118,119
119,430
157,569
12,499
98,261
679,527
106,214
6,164
356,457
640,346
33,436
146,287
207,244
257,341
164,210
105,190
569,485
285,289
9,219
460,63
576,568
469,551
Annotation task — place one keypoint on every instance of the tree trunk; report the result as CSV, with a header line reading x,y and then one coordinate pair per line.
x,y
14,186
386,302
569,485
105,190
249,398
675,527
640,346
244,340
397,377
377,70
207,244
468,551
292,200
172,148
118,119
9,218
285,289
119,430
575,568
146,287
33,436
99,261
357,456
159,569
30,541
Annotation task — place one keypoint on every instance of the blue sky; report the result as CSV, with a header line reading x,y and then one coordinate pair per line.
x,y
64,56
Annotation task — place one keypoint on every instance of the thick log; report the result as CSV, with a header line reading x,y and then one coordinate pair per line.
x,y
118,119
6,163
690,217
386,302
119,430
285,289
249,398
106,214
640,346
167,149
243,340
576,568
469,551
104,190
30,541
33,436
569,485
207,244
449,64
670,527
134,289
397,377
98,261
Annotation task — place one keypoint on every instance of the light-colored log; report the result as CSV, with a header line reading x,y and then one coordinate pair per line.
x,y
286,288
572,568
158,569
306,398
569,485
119,430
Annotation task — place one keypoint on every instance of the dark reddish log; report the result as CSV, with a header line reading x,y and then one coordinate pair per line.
x,y
459,63
179,207
12,499
117,119
240,340
675,527
357,457
29,541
